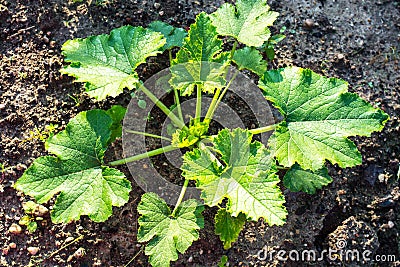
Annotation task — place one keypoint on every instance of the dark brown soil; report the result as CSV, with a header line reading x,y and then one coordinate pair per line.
x,y
358,41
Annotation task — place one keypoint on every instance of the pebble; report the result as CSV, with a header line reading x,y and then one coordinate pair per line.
x,y
390,224
15,229
340,56
41,210
12,245
157,5
33,250
308,24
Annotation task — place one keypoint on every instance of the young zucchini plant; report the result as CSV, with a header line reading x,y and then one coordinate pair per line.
x,y
233,172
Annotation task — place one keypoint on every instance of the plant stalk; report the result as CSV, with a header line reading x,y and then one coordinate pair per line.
x,y
151,153
264,129
148,134
198,102
163,108
180,198
222,94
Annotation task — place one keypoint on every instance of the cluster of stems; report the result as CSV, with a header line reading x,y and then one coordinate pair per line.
x,y
179,121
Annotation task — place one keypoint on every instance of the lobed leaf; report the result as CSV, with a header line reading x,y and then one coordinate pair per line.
x,y
247,22
250,58
106,63
246,176
84,186
167,235
199,61
297,179
319,115
227,227
174,36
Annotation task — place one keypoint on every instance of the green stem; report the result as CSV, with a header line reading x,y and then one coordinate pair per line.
x,y
148,134
215,101
222,95
163,108
233,50
151,153
212,107
178,104
198,102
180,198
264,129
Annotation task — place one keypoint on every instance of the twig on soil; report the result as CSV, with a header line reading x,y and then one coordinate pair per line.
x,y
20,31
33,260
134,257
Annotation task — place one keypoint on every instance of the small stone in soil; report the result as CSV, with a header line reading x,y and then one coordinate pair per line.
x,y
33,250
308,24
12,245
15,229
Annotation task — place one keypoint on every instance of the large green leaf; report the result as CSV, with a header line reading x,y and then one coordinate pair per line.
x,y
107,62
245,175
250,58
165,233
318,116
85,186
173,35
297,179
247,22
227,227
199,62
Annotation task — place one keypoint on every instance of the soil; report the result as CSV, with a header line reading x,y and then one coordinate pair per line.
x,y
358,41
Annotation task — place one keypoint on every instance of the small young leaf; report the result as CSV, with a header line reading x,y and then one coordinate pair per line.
x,y
199,62
142,103
85,186
247,22
187,137
297,179
107,62
167,235
117,114
31,226
319,115
173,35
228,227
222,262
248,179
250,59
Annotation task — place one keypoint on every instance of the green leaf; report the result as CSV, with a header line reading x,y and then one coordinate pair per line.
x,y
227,227
31,226
107,62
297,179
83,184
190,136
247,22
199,61
223,261
142,103
167,235
117,114
318,116
246,176
25,220
173,35
250,59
